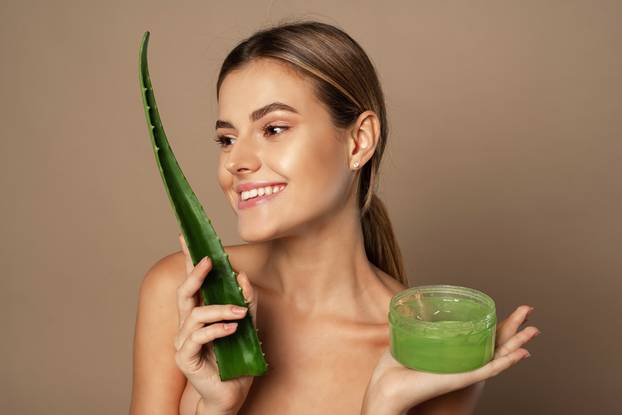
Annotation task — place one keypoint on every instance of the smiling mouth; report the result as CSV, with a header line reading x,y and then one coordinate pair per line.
x,y
254,197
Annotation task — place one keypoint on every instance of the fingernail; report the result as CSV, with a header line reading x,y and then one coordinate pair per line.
x,y
230,326
530,310
204,261
528,355
238,310
537,333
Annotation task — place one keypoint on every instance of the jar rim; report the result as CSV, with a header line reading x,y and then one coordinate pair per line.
x,y
483,323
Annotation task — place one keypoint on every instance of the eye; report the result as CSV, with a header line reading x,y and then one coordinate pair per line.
x,y
222,140
270,127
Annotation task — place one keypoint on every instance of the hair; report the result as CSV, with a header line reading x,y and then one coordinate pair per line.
x,y
345,81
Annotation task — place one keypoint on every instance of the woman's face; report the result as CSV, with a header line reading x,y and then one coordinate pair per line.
x,y
300,149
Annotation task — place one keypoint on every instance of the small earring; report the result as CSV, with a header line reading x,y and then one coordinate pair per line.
x,y
356,164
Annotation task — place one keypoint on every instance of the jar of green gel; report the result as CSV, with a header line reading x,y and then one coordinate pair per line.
x,y
442,328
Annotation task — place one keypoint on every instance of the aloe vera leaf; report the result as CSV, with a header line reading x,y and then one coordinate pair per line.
x,y
238,354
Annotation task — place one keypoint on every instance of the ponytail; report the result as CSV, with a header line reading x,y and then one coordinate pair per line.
x,y
380,242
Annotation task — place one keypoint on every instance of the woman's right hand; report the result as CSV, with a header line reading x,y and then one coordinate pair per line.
x,y
198,327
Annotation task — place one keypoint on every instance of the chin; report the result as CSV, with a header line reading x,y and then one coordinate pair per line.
x,y
250,234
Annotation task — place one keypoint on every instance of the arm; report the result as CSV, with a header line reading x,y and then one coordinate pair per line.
x,y
157,383
459,402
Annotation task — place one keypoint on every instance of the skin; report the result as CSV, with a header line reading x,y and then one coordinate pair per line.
x,y
319,304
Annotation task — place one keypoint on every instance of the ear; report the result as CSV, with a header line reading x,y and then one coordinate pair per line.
x,y
362,139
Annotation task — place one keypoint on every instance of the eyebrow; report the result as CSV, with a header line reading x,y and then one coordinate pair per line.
x,y
260,113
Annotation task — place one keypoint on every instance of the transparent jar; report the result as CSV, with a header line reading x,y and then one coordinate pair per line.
x,y
442,328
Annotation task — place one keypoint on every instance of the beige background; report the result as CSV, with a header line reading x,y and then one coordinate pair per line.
x,y
502,174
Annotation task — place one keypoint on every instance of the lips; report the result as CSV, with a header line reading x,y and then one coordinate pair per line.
x,y
258,200
242,187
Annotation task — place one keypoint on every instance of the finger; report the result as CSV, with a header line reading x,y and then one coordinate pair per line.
x,y
189,356
200,316
184,249
249,293
517,341
499,364
186,292
510,325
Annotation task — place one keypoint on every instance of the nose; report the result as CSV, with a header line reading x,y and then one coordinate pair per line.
x,y
243,157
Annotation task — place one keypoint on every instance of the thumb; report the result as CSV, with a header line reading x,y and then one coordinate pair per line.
x,y
249,294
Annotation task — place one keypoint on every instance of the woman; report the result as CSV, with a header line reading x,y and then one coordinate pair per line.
x,y
302,121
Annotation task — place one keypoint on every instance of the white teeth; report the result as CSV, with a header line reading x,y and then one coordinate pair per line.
x,y
261,191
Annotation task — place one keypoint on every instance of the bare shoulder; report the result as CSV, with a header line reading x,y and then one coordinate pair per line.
x,y
392,284
166,272
170,270
383,289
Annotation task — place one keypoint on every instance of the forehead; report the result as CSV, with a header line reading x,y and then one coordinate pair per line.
x,y
261,82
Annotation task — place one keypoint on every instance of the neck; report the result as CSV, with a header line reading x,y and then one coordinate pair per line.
x,y
325,265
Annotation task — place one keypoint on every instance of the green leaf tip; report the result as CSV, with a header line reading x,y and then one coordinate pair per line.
x,y
240,353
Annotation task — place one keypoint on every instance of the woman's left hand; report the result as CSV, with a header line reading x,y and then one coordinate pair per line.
x,y
394,388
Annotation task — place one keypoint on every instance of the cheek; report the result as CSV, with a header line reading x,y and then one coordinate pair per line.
x,y
327,170
316,171
225,179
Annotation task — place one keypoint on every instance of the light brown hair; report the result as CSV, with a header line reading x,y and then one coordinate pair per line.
x,y
345,81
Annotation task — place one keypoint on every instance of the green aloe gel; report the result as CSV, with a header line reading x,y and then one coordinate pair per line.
x,y
442,328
